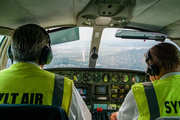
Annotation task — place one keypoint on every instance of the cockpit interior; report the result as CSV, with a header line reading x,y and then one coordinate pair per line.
x,y
99,44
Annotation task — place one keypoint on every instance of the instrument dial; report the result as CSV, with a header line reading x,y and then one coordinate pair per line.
x,y
96,77
115,78
77,77
125,78
135,79
87,77
106,77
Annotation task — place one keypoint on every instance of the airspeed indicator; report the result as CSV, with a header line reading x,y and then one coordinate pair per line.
x,y
106,77
96,77
77,77
115,78
87,77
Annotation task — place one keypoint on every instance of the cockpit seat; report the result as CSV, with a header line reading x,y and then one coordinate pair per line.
x,y
168,118
31,112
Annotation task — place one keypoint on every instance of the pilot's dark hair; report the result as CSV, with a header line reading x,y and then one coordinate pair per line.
x,y
28,42
165,55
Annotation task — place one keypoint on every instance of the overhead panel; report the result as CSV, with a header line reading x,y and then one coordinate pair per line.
x,y
106,13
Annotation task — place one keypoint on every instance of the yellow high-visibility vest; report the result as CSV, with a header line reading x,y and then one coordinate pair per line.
x,y
158,98
25,83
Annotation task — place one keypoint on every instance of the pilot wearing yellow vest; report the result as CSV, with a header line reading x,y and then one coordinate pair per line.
x,y
26,83
160,97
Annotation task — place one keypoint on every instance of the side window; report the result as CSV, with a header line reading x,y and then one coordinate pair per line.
x,y
1,39
9,61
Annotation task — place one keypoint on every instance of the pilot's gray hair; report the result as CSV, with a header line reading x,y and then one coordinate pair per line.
x,y
28,42
166,55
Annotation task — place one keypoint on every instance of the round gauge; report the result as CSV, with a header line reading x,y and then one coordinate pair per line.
x,y
77,77
115,78
106,77
135,79
96,77
125,78
87,77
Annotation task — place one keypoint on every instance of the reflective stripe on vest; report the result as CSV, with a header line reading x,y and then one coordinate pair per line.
x,y
25,83
146,100
62,94
152,100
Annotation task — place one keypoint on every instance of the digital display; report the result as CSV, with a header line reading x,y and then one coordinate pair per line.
x,y
82,91
101,90
102,98
119,86
84,97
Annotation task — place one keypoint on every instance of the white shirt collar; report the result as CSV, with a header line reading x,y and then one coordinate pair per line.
x,y
169,74
28,62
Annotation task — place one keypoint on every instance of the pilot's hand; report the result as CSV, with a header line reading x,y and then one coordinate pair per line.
x,y
114,116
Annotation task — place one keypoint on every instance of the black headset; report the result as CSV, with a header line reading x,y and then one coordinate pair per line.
x,y
9,53
46,53
152,69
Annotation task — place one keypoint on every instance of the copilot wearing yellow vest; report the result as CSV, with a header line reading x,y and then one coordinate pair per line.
x,y
160,97
26,83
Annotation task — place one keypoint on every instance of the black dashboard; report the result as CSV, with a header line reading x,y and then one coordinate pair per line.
x,y
103,90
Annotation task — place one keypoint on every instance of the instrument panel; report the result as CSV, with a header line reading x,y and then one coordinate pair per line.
x,y
102,88
97,75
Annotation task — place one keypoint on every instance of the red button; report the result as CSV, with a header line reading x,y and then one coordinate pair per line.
x,y
100,109
97,109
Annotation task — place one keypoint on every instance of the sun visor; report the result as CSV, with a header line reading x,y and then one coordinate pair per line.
x,y
133,34
63,36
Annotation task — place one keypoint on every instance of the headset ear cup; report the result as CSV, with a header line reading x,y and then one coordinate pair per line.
x,y
49,57
9,53
46,56
153,69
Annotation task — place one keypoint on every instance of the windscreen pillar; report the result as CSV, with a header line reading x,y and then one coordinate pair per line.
x,y
96,39
3,52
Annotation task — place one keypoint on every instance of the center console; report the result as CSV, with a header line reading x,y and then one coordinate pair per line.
x,y
102,99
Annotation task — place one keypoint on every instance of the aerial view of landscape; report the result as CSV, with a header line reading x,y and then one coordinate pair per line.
x,y
118,55
113,52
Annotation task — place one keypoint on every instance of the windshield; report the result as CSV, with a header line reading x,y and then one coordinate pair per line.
x,y
122,53
73,54
115,53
